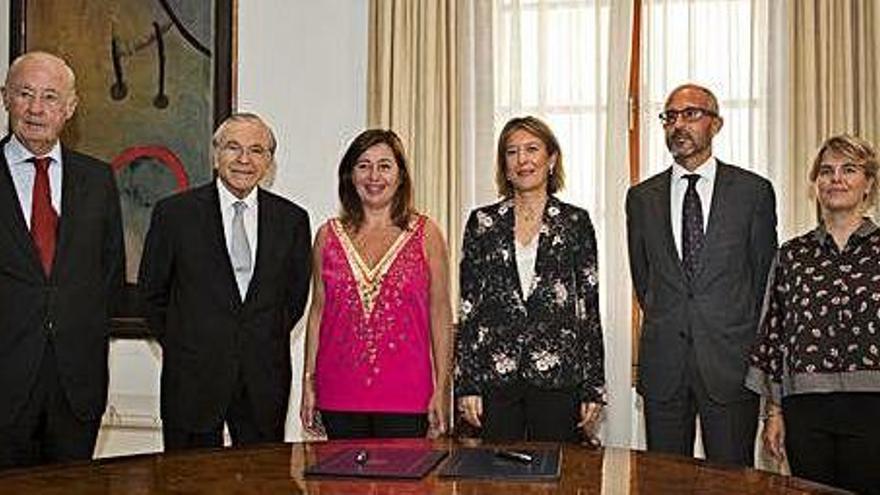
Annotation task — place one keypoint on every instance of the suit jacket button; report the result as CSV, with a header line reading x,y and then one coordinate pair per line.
x,y
682,335
690,295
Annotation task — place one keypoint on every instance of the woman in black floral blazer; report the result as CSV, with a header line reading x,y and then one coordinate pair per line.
x,y
529,351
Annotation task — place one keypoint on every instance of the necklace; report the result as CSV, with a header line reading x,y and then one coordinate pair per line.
x,y
528,220
529,212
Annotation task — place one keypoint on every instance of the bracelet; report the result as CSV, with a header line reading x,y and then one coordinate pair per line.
x,y
769,414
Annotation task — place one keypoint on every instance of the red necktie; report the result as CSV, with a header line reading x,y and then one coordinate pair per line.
x,y
44,220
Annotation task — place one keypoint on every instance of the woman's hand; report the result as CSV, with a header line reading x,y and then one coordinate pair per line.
x,y
438,413
591,412
307,411
471,407
774,435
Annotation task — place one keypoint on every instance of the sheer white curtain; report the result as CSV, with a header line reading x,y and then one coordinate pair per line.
x,y
564,61
738,49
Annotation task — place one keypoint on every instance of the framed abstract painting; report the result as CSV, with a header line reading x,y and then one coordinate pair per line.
x,y
153,77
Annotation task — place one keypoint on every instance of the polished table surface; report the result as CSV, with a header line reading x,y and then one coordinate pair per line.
x,y
279,469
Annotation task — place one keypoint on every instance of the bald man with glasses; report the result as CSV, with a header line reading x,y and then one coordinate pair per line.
x,y
701,236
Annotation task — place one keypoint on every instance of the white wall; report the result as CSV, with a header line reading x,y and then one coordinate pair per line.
x,y
302,65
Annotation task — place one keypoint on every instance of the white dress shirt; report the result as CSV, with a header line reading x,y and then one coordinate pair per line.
x,y
23,173
677,188
227,199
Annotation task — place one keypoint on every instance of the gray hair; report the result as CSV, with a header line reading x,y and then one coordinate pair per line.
x,y
241,117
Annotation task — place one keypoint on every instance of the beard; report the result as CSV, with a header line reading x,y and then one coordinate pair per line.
x,y
681,143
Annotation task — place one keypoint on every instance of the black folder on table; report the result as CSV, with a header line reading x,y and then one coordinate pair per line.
x,y
491,463
378,462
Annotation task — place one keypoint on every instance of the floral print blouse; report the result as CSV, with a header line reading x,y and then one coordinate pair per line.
x,y
820,331
553,338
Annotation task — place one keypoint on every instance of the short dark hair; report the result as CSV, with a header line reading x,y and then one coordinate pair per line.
x,y
540,130
352,210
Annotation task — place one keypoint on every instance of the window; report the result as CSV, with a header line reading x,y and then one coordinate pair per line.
x,y
551,61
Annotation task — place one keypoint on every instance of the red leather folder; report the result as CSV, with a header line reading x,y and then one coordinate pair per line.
x,y
378,462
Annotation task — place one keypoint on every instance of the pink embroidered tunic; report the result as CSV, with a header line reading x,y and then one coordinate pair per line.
x,y
374,350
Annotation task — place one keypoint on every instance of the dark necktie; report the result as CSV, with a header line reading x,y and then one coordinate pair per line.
x,y
44,219
692,236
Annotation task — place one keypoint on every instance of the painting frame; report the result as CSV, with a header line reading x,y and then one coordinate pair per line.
x,y
129,315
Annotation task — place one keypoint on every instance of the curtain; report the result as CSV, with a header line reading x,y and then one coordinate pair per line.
x,y
412,88
835,83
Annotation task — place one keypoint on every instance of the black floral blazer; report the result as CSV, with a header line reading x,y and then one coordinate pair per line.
x,y
553,339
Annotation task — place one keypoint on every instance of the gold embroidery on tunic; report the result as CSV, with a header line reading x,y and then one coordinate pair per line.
x,y
368,280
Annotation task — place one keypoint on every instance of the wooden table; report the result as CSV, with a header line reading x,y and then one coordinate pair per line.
x,y
278,469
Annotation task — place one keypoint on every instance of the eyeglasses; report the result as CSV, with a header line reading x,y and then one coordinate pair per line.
x,y
689,114
50,98
828,171
235,149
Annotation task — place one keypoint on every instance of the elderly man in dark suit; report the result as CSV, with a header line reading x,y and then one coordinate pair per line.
x,y
225,273
61,260
702,235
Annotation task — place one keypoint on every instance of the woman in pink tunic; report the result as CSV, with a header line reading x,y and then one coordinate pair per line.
x,y
378,339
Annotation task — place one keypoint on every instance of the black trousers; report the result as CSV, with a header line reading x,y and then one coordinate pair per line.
x,y
521,411
46,430
343,424
834,439
728,429
242,423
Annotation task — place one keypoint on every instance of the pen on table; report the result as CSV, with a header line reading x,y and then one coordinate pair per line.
x,y
513,455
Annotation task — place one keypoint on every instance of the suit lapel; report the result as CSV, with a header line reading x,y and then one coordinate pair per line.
x,y
550,227
721,200
71,191
212,225
506,223
265,242
12,216
663,208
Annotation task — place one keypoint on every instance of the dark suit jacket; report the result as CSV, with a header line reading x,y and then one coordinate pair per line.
x,y
553,338
718,311
73,306
210,338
